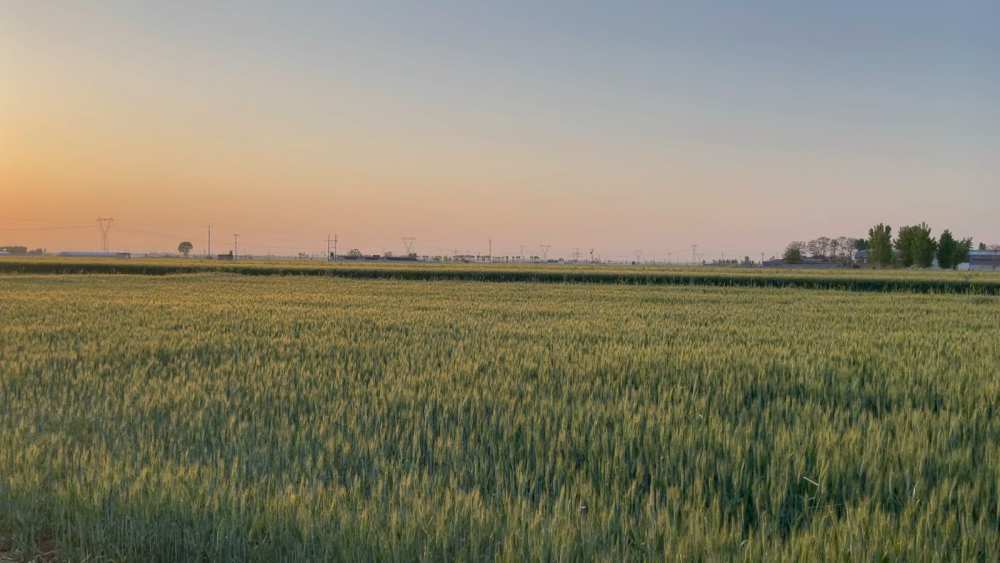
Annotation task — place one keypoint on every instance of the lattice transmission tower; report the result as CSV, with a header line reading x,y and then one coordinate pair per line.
x,y
408,242
105,225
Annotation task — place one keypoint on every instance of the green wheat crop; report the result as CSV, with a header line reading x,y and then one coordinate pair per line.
x,y
222,417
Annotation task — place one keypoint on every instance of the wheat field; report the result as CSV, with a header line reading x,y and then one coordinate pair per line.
x,y
222,417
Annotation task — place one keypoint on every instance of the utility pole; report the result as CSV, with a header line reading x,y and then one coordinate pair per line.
x,y
209,240
521,256
491,250
105,225
327,248
694,257
545,251
335,246
591,255
236,246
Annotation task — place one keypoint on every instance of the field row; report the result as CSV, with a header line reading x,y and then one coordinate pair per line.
x,y
919,281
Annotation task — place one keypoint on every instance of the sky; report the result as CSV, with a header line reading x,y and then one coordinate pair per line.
x,y
617,126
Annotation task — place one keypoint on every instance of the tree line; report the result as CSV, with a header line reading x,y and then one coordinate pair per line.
x,y
21,250
913,246
825,248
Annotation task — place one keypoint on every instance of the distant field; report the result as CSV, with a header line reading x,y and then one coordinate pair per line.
x,y
220,417
911,280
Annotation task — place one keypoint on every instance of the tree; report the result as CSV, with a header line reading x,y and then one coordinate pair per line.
x,y
846,247
862,243
926,247
817,247
953,252
185,248
962,255
798,245
354,253
982,245
880,244
793,254
916,246
947,248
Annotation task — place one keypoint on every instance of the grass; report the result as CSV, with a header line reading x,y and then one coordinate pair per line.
x,y
220,417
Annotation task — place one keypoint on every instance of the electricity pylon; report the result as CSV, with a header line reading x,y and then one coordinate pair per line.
x,y
105,225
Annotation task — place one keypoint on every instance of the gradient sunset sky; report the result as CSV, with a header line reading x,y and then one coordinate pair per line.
x,y
737,126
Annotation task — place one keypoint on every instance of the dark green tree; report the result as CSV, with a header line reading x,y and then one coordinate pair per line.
x,y
880,244
962,254
793,254
952,252
947,248
916,246
904,243
185,248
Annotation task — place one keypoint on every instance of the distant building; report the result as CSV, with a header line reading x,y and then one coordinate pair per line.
x,y
984,259
70,254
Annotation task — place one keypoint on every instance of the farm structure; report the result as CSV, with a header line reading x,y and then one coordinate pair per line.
x,y
984,259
